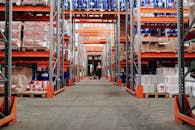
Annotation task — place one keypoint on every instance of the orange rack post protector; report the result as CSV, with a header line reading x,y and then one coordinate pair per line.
x,y
69,82
120,82
181,118
140,91
50,91
10,119
111,79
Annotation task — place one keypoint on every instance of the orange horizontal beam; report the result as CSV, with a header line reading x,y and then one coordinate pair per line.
x,y
160,20
101,28
93,41
154,55
66,37
28,8
161,10
124,62
95,51
28,54
93,47
94,34
91,30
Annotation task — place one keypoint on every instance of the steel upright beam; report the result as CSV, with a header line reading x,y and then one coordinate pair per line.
x,y
132,76
71,44
58,41
51,44
78,56
63,43
181,58
118,42
139,41
116,50
106,65
8,56
110,51
73,49
127,41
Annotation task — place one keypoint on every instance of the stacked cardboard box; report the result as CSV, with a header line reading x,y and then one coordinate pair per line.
x,y
166,81
35,35
169,78
35,2
16,35
156,44
149,82
17,2
38,86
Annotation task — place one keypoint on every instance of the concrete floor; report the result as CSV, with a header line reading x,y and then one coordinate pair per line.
x,y
96,105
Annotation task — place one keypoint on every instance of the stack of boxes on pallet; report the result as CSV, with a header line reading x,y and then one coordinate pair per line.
x,y
16,35
16,2
35,2
166,81
95,4
35,35
28,2
157,44
38,86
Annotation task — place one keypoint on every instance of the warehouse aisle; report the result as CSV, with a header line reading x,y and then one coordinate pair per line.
x,y
96,105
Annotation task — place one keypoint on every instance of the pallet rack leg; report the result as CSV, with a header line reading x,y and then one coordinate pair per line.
x,y
11,118
181,118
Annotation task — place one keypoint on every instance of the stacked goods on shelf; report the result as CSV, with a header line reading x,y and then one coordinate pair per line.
x,y
192,12
79,4
122,52
35,35
21,77
35,2
149,82
95,4
16,35
110,5
156,44
66,4
17,2
170,76
19,84
38,86
98,4
165,81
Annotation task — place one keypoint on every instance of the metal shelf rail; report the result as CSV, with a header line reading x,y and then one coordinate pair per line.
x,y
8,105
134,79
182,110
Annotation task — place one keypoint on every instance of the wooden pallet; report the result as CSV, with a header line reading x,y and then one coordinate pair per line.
x,y
173,95
156,95
32,94
35,49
